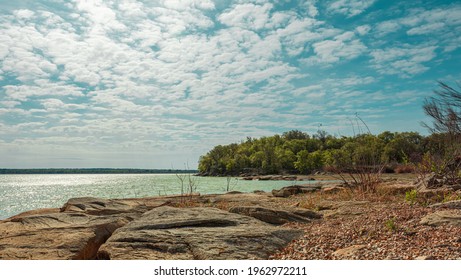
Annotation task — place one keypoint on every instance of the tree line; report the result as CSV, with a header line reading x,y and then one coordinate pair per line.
x,y
297,152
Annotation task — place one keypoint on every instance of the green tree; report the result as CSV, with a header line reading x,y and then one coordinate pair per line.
x,y
403,147
308,162
295,134
302,162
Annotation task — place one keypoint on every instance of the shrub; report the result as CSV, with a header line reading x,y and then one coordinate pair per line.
x,y
391,225
411,196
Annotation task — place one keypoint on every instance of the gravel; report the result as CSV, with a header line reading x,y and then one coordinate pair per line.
x,y
382,229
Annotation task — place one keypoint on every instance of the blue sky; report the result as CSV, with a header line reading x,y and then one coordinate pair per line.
x,y
156,84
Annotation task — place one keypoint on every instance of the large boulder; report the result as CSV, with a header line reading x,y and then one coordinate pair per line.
x,y
195,233
276,217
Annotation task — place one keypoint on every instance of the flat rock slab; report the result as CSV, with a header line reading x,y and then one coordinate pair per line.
x,y
195,233
56,236
445,217
101,206
277,217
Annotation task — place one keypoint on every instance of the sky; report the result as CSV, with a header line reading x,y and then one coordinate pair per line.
x,y
156,84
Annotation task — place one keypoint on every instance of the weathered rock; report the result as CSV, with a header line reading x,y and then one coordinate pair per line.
x,y
445,217
348,252
95,206
56,235
77,230
270,177
40,211
195,233
234,192
455,204
276,217
293,190
101,206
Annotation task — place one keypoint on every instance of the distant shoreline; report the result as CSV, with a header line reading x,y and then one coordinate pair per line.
x,y
93,171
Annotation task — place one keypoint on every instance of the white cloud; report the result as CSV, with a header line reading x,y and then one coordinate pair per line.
x,y
103,17
363,29
40,88
343,46
188,4
299,33
350,8
53,104
132,9
405,61
387,27
10,103
313,91
175,22
442,24
247,16
426,28
351,81
24,14
312,10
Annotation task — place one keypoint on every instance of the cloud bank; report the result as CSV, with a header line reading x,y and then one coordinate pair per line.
x,y
131,83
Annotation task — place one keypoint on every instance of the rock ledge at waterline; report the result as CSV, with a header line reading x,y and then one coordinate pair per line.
x,y
153,228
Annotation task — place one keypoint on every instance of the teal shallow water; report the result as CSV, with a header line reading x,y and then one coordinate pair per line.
x,y
19,193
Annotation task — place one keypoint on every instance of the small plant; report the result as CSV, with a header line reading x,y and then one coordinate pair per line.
x,y
359,163
187,181
391,225
411,197
181,178
230,183
192,184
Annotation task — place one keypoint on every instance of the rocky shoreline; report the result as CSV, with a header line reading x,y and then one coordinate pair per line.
x,y
174,227
295,222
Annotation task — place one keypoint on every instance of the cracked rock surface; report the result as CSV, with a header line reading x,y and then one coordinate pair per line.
x,y
145,228
195,233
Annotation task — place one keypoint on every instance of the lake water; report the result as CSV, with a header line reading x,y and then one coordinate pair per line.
x,y
19,193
